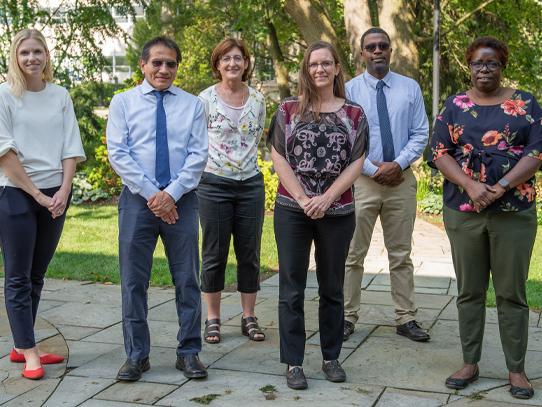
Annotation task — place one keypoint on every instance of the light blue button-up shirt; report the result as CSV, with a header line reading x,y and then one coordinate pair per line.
x,y
131,139
409,124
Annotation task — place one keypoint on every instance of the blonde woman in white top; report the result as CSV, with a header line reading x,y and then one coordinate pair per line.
x,y
39,148
231,193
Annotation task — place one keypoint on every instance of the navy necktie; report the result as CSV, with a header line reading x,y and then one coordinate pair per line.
x,y
384,120
162,173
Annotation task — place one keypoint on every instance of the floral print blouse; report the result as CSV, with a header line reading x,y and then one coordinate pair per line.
x,y
487,141
318,151
233,147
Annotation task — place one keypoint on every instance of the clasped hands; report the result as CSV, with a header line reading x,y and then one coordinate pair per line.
x,y
388,173
315,207
163,206
483,195
55,204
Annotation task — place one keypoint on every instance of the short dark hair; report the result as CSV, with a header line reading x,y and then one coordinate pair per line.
x,y
225,46
161,40
498,46
373,30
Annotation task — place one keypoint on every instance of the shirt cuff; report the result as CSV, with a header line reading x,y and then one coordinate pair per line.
x,y
148,190
369,169
176,190
402,161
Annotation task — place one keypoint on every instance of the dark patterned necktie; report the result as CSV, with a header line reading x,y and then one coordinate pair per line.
x,y
384,120
162,173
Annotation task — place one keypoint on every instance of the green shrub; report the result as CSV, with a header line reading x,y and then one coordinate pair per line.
x,y
83,191
271,181
428,183
431,204
102,176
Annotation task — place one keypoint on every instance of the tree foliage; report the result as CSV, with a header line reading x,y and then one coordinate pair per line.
x,y
74,29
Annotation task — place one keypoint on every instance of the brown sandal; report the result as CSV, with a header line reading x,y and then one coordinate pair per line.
x,y
250,328
212,329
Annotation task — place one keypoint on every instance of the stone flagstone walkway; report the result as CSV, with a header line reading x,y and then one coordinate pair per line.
x,y
81,320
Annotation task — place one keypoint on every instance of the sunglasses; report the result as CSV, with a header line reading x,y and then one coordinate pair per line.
x,y
157,63
384,46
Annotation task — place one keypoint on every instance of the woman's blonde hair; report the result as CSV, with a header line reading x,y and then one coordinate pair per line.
x,y
309,98
15,76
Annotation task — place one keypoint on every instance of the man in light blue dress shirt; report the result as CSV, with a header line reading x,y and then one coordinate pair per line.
x,y
398,133
157,144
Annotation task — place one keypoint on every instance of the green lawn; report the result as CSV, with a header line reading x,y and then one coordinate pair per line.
x,y
88,249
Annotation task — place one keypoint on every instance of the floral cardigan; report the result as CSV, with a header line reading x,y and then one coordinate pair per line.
x,y
487,141
233,149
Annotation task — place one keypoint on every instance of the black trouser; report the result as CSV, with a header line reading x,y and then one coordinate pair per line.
x,y
28,236
228,207
294,233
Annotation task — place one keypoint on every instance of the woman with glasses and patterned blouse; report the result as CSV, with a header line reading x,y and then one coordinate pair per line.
x,y
487,143
231,193
318,145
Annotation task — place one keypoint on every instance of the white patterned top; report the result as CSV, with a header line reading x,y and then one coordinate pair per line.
x,y
233,146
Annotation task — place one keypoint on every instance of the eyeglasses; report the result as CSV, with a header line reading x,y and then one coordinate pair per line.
x,y
236,58
157,63
491,65
384,46
325,65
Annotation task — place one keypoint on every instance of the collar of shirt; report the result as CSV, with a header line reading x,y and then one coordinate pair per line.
x,y
146,88
371,81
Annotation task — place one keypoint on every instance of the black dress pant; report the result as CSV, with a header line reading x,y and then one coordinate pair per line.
x,y
294,233
28,236
228,208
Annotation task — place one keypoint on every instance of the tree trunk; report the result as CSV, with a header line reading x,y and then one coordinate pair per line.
x,y
396,18
314,25
281,72
357,19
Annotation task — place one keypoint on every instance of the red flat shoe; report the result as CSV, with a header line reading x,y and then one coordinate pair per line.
x,y
34,374
49,359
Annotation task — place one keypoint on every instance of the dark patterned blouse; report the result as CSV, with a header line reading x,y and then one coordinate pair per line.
x,y
487,141
318,151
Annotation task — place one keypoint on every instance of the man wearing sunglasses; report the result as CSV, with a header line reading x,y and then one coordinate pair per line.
x,y
157,144
398,133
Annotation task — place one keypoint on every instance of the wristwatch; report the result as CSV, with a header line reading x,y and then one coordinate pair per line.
x,y
503,182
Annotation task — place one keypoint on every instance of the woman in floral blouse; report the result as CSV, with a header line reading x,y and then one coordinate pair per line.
x,y
231,193
487,142
318,145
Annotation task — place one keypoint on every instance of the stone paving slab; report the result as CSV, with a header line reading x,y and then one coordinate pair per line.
x,y
406,398
74,332
35,397
73,391
93,315
138,392
106,403
239,388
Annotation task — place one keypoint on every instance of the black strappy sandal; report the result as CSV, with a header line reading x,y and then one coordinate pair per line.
x,y
250,328
212,329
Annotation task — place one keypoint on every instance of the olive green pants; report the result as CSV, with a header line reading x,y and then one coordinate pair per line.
x,y
500,243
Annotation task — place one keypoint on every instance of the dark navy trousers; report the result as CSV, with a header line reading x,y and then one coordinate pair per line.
x,y
28,236
139,230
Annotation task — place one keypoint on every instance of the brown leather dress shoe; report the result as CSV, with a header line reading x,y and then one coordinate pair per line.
x,y
412,331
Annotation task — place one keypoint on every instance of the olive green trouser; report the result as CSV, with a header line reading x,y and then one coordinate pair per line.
x,y
500,243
